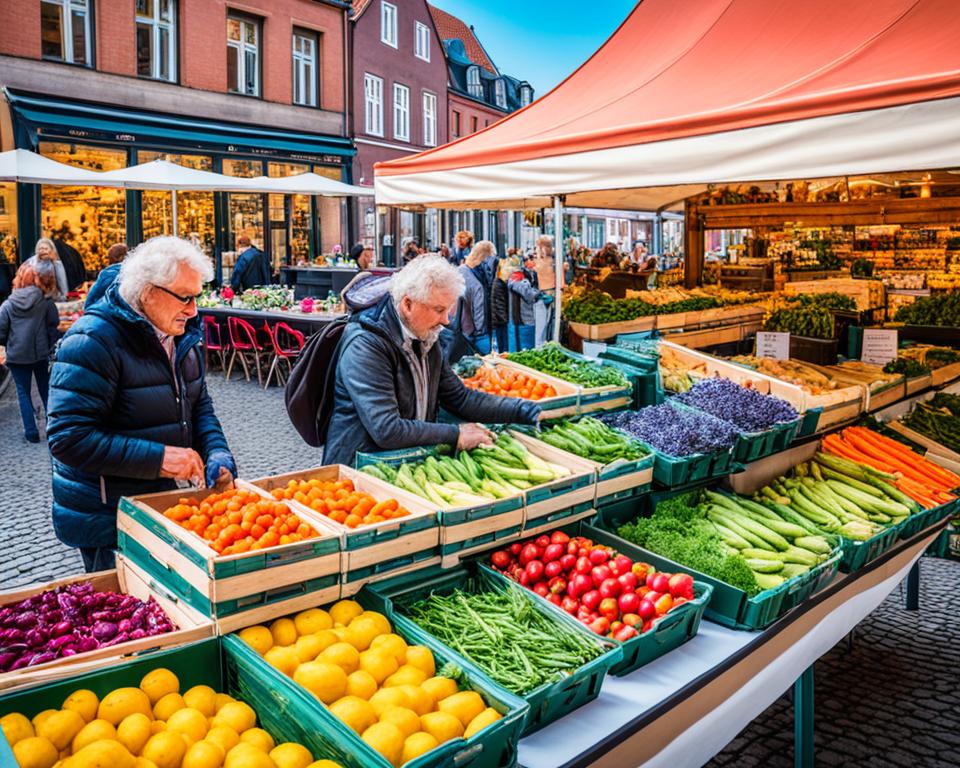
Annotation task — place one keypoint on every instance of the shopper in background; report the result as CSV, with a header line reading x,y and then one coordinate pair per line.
x,y
410,251
473,307
108,275
129,410
500,300
72,262
525,294
45,250
547,283
362,255
462,243
28,329
444,251
252,267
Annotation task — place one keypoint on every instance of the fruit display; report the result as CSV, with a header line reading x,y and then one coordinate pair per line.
x,y
509,383
73,619
745,408
496,471
938,420
803,375
675,430
940,310
857,372
340,501
388,692
675,373
238,520
551,359
592,439
931,357
602,588
152,725
597,307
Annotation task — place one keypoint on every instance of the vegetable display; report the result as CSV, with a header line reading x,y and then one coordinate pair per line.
x,y
509,383
551,359
340,501
942,309
150,725
473,477
803,375
810,320
388,692
604,589
592,439
939,420
674,372
237,521
749,410
932,357
73,619
504,633
907,366
596,308
674,430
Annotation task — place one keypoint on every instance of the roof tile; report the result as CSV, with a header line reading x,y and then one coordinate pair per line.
x,y
449,26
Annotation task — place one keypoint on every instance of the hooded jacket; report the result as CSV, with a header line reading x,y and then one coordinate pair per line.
x,y
112,409
474,305
375,401
28,326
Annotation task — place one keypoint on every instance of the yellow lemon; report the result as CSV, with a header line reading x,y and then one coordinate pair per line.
x,y
16,726
134,731
91,732
327,637
35,752
360,684
259,638
188,740
312,620
158,725
223,699
417,744
83,702
324,764
142,762
339,632
464,706
224,737
308,647
355,712
421,657
405,719
105,753
421,701
388,697
203,754
378,664
202,698
344,611
439,687
291,755
361,632
393,644
259,738
488,717
282,658
119,703
406,675
383,624
166,749
441,725
386,739
41,716
344,655
237,715
158,683
327,682
167,705
284,632
189,721
247,756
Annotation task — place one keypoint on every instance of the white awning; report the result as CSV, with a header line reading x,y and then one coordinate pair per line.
x,y
30,168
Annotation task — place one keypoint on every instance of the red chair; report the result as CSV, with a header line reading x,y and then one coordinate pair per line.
x,y
243,340
213,342
287,344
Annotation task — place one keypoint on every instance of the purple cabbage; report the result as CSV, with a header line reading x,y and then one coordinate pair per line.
x,y
745,408
674,430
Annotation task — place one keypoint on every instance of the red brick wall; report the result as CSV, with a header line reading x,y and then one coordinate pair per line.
x,y
469,109
20,28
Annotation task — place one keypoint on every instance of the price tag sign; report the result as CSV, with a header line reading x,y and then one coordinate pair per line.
x,y
593,349
879,346
773,345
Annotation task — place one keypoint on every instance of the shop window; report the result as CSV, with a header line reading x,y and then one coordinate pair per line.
x,y
500,92
90,219
429,119
421,42
195,210
401,112
66,32
157,39
245,213
456,124
305,71
8,222
473,124
243,55
331,212
474,86
388,24
291,220
373,104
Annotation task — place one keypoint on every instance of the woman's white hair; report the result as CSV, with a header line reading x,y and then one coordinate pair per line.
x,y
49,243
423,277
156,262
482,250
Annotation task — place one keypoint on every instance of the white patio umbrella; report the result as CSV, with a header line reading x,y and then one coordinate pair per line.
x,y
30,168
311,184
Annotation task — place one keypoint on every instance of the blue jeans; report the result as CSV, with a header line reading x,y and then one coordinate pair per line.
x,y
503,343
522,337
23,376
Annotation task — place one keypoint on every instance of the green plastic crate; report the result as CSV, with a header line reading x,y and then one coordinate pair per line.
x,y
548,702
809,422
785,433
857,554
924,519
751,446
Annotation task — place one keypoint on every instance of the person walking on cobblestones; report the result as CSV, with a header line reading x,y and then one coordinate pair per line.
x,y
129,408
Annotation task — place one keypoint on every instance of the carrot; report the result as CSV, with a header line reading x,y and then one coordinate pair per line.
x,y
880,456
915,460
916,492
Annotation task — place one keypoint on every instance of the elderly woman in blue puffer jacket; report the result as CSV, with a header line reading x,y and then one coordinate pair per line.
x,y
129,411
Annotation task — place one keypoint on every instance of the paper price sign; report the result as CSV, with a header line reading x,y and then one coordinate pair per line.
x,y
773,345
879,346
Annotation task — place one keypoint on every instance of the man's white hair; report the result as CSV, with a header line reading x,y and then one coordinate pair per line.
x,y
425,276
156,262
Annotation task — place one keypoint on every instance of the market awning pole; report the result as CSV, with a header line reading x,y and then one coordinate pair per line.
x,y
174,212
557,262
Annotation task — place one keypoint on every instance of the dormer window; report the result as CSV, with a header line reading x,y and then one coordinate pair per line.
x,y
474,86
526,94
500,93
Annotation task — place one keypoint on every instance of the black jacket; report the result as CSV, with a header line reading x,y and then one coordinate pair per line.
x,y
252,268
499,303
28,326
72,264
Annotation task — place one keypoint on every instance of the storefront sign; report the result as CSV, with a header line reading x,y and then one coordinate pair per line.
x,y
773,345
879,346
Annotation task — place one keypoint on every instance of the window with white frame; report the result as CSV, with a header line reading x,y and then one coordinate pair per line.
x,y
388,23
157,39
474,87
243,55
429,119
373,104
526,94
65,31
500,92
305,48
421,41
401,112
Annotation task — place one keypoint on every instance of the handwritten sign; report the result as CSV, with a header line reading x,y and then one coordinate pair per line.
x,y
773,345
879,346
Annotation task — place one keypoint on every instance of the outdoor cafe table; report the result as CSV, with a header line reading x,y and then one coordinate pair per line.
x,y
307,324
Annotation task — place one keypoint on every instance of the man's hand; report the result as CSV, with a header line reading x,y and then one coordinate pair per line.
x,y
221,469
182,464
472,435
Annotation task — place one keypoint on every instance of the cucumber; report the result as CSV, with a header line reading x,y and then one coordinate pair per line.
x,y
764,566
768,580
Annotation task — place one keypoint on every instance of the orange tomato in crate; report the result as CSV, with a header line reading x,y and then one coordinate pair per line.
x,y
341,502
237,521
509,383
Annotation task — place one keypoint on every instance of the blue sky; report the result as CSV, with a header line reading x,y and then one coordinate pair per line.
x,y
540,41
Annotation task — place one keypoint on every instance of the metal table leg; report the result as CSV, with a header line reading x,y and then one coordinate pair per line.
x,y
913,587
803,720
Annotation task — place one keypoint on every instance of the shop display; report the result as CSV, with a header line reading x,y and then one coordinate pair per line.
x,y
596,308
747,409
938,420
551,359
941,310
508,383
675,430
809,315
340,501
675,373
795,372
932,358
592,439
907,367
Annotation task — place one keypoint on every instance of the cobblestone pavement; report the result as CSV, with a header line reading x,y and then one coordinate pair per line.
x,y
892,699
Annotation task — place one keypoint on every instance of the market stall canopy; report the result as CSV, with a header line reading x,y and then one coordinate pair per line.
x,y
310,184
30,168
688,93
162,174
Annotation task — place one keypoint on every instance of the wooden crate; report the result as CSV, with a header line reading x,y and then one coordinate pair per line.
x,y
918,384
932,446
233,590
945,374
884,396
858,290
127,579
369,552
606,331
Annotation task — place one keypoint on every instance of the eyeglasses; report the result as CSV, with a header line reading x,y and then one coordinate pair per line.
x,y
185,300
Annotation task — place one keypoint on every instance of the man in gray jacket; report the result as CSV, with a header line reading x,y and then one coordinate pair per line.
x,y
392,379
